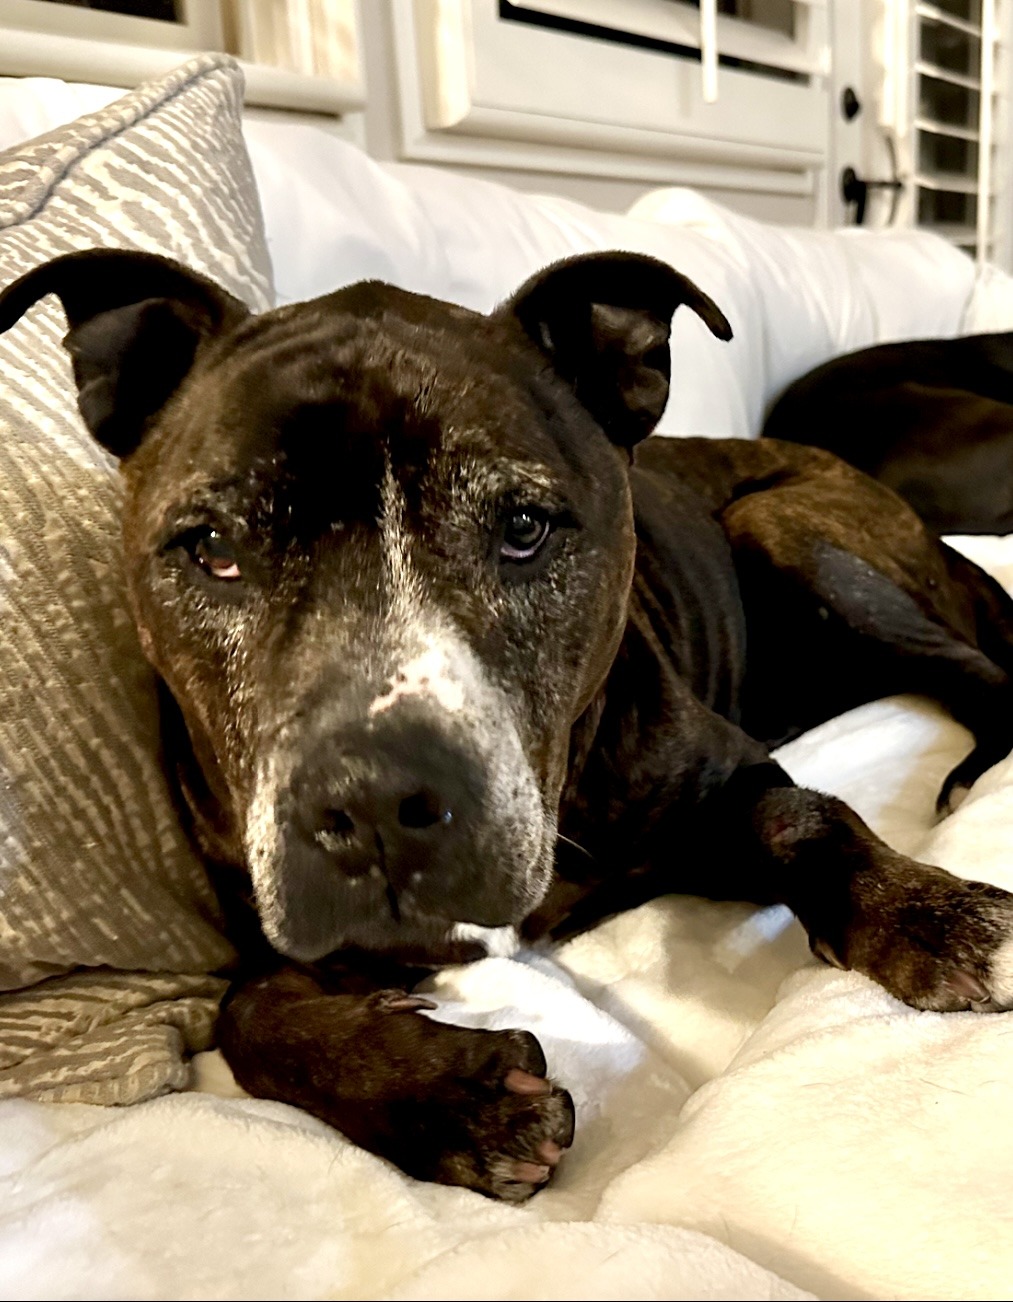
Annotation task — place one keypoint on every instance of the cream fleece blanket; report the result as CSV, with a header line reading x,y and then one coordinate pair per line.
x,y
750,1124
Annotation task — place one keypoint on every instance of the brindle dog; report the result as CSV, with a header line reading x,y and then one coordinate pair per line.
x,y
445,661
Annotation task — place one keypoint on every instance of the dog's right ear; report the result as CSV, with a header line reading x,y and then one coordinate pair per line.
x,y
602,320
136,321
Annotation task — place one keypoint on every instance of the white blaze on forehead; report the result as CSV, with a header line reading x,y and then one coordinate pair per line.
x,y
404,587
427,674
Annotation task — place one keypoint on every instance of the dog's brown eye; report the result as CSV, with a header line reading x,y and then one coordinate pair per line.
x,y
216,556
524,533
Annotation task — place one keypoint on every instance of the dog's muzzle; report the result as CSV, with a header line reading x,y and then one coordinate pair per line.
x,y
393,827
395,799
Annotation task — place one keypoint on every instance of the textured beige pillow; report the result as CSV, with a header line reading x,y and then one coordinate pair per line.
x,y
95,871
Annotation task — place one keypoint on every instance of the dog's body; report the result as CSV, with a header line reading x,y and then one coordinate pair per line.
x,y
444,670
932,419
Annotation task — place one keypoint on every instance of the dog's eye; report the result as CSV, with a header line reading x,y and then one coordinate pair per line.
x,y
524,533
216,556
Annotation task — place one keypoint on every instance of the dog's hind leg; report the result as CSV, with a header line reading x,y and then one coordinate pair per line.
x,y
993,616
866,603
992,606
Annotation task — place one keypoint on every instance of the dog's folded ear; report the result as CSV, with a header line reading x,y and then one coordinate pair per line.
x,y
603,320
136,321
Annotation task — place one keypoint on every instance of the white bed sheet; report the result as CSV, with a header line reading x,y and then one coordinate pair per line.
x,y
751,1124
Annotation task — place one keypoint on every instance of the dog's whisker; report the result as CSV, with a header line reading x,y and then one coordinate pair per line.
x,y
567,840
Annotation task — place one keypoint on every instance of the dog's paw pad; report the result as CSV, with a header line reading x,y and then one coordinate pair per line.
x,y
550,1152
965,985
530,1172
524,1082
483,1113
532,1135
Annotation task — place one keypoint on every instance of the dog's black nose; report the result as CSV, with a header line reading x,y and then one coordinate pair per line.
x,y
392,801
377,822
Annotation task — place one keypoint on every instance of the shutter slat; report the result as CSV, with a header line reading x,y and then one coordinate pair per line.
x,y
678,23
938,128
944,74
936,15
948,182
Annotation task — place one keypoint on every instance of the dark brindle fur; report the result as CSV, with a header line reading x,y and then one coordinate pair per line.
x,y
930,418
442,655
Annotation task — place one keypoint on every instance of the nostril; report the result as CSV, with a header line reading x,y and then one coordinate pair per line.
x,y
335,823
422,810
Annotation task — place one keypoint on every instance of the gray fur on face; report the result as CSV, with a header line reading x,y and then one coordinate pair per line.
x,y
366,493
415,664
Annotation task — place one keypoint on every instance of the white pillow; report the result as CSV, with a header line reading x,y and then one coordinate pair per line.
x,y
334,216
822,293
794,297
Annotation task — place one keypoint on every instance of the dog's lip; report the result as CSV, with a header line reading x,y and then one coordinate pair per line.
x,y
434,946
411,925
411,912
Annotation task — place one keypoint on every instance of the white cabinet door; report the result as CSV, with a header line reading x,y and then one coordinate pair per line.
x,y
650,90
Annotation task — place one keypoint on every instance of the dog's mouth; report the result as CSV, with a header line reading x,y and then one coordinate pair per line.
x,y
311,910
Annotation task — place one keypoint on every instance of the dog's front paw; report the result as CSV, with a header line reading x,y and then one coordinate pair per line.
x,y
935,941
491,1122
447,1103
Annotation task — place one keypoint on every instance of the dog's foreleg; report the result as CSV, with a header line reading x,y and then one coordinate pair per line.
x,y
931,939
444,1103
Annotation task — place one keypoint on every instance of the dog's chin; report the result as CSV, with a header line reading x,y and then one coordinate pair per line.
x,y
426,940
417,939
424,943
365,913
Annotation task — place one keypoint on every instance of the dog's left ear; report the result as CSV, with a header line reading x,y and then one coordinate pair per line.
x,y
136,321
603,320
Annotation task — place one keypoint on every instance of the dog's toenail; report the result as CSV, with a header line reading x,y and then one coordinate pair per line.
x,y
531,1172
396,1001
522,1082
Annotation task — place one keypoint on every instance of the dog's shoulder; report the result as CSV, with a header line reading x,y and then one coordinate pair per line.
x,y
685,588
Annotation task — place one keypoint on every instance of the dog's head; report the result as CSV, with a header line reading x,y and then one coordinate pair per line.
x,y
379,548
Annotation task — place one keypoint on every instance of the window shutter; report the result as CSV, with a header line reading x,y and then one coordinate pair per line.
x,y
315,38
947,115
786,37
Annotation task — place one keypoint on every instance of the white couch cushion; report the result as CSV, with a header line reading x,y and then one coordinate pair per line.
x,y
794,297
822,293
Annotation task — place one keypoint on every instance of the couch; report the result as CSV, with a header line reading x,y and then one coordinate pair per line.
x,y
750,1124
